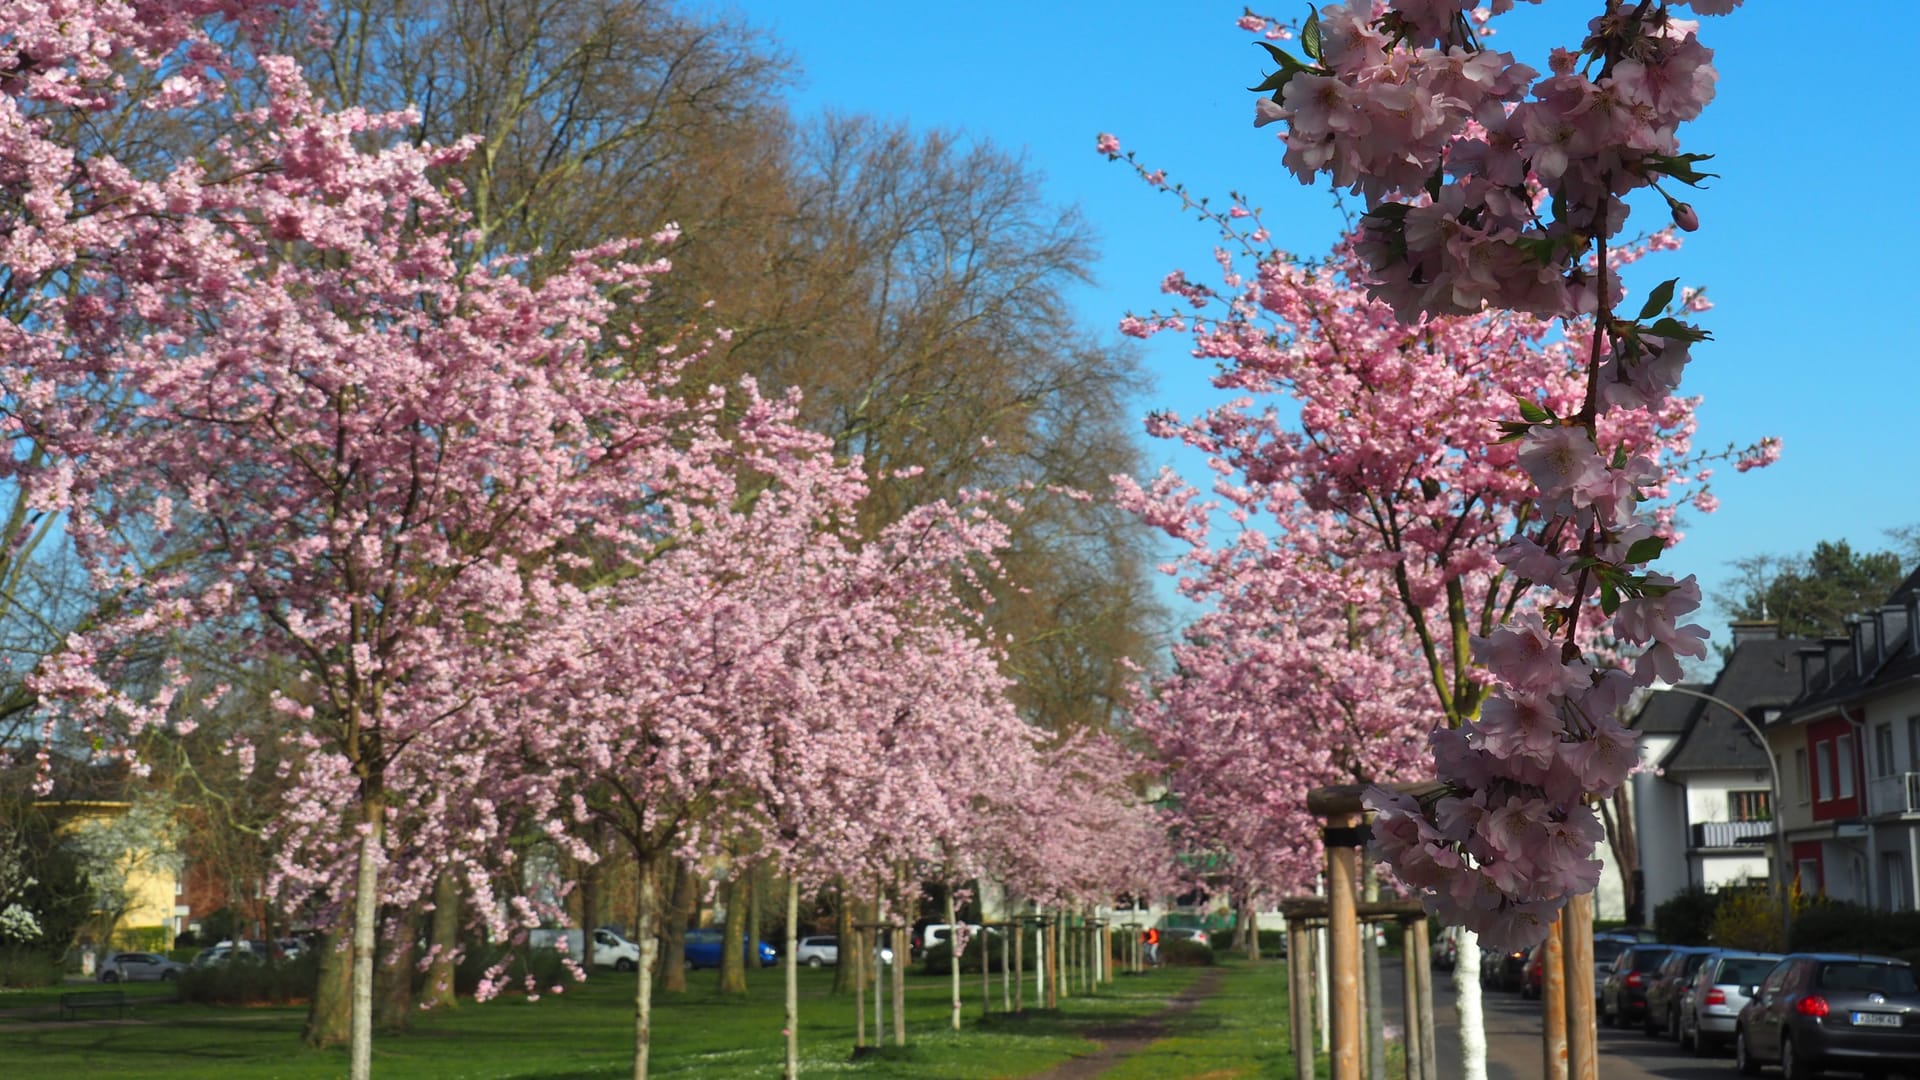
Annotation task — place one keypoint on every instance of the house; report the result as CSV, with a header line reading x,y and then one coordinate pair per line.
x,y
1849,748
1703,803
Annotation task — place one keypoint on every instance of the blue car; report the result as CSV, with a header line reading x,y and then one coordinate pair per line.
x,y
703,950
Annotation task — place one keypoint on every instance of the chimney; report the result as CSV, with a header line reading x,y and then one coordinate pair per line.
x,y
1745,630
1865,642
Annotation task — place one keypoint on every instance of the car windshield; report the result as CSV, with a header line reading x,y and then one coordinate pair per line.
x,y
1693,962
1604,952
1743,971
1648,959
1885,978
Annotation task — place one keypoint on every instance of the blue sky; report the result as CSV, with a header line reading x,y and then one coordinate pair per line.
x,y
1808,243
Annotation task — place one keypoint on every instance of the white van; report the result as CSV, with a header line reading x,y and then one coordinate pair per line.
x,y
609,949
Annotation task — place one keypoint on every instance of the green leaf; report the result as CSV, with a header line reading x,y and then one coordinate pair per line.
x,y
1646,549
1310,42
1675,330
1532,412
1609,597
1680,167
1658,300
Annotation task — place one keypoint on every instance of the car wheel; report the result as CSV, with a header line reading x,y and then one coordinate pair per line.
x,y
1743,1055
814,962
1647,1025
1792,1065
624,964
109,976
1673,1024
169,976
1680,1035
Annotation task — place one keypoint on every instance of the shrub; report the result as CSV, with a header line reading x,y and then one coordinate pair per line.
x,y
142,939
546,966
23,968
938,960
1748,919
1687,918
1185,953
248,981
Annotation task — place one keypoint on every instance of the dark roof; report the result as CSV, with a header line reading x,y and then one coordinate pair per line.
x,y
1897,664
1667,714
1758,675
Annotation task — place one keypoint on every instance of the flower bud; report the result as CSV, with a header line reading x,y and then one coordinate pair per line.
x,y
1684,216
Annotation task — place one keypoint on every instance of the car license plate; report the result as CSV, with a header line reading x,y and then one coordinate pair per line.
x,y
1861,1019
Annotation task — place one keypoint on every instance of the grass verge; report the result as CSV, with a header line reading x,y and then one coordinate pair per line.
x,y
581,1034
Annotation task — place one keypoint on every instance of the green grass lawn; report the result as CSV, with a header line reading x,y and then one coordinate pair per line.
x,y
583,1033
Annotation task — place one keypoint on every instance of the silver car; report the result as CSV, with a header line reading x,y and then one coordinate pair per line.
x,y
819,951
139,967
1712,1002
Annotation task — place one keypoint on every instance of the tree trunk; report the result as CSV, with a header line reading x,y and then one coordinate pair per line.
x,y
327,1012
758,881
793,977
366,906
393,976
844,974
1466,991
953,946
673,935
646,935
733,966
1616,817
1375,1004
444,939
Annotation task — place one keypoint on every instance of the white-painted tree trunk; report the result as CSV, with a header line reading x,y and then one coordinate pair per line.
x,y
793,978
647,934
366,908
1466,996
953,947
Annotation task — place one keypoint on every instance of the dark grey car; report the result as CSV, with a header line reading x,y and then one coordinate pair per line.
x,y
1666,986
1818,1011
1623,997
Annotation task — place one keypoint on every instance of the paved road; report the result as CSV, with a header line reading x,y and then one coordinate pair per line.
x,y
1513,1042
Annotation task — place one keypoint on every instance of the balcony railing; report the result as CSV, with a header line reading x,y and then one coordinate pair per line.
x,y
1708,834
1895,794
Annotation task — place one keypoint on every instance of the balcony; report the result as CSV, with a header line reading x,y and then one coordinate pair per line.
x,y
1895,794
1719,834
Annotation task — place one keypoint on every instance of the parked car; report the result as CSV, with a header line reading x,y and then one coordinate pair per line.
x,y
1713,1000
1607,947
609,948
934,934
1668,984
226,952
1818,1011
1623,997
1183,933
703,950
1533,976
1446,948
138,967
1503,969
818,951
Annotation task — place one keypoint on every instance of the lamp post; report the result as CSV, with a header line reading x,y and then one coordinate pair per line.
x,y
1776,795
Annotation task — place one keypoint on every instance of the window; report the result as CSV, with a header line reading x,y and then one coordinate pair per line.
x,y
1800,773
1894,882
1823,770
1913,744
1883,749
1750,805
1843,752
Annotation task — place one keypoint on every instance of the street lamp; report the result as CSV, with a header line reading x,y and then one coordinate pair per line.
x,y
1777,796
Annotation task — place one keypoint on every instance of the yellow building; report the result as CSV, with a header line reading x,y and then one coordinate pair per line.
x,y
131,854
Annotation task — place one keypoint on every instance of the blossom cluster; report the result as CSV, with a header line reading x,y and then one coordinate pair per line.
x,y
1484,178
1493,186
